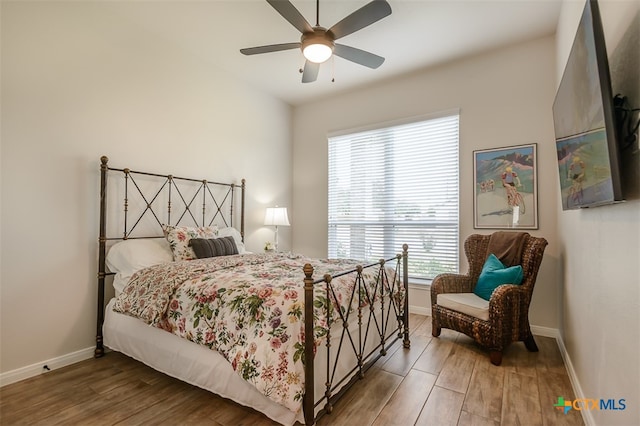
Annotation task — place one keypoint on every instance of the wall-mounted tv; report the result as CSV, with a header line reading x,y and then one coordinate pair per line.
x,y
583,114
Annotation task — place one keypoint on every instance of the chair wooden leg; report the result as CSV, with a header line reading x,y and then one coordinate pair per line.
x,y
495,357
435,331
530,344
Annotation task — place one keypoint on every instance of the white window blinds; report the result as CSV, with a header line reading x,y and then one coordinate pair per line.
x,y
397,185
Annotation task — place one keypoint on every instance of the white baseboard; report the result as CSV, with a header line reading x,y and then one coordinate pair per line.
x,y
39,368
545,331
420,310
587,417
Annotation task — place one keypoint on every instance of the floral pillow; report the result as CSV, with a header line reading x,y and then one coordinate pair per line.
x,y
179,237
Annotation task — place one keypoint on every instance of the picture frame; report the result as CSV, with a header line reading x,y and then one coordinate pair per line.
x,y
505,191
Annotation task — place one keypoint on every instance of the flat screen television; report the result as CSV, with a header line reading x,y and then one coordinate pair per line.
x,y
584,121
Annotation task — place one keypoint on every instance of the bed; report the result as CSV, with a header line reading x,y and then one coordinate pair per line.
x,y
187,299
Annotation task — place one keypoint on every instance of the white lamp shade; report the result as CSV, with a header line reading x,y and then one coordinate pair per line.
x,y
317,53
276,216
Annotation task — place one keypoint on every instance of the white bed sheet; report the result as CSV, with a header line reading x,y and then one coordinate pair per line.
x,y
207,369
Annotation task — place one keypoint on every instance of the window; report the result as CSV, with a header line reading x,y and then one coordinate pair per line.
x,y
397,185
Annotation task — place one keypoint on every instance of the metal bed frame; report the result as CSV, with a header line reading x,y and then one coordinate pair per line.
x,y
389,292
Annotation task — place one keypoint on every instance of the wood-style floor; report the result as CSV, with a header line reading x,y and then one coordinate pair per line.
x,y
439,381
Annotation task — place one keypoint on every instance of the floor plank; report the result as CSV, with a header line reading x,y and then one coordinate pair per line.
x,y
484,396
457,369
520,400
519,360
191,407
403,359
371,394
442,408
551,387
434,356
406,403
549,359
468,419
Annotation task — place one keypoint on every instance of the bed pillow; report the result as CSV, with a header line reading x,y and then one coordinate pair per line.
x,y
233,232
129,256
179,237
212,247
495,274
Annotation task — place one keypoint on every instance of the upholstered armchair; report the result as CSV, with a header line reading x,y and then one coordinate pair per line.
x,y
504,318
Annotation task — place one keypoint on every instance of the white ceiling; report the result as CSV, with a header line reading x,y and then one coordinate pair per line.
x,y
418,34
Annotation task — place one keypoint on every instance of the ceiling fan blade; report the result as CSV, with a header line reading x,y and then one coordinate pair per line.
x,y
310,73
358,56
291,14
269,48
363,17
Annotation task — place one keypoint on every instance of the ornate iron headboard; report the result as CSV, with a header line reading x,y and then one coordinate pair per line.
x,y
157,205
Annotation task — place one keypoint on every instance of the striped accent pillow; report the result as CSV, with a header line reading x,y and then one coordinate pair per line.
x,y
211,247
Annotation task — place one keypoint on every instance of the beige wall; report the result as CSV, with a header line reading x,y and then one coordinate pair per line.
x,y
600,247
504,98
79,82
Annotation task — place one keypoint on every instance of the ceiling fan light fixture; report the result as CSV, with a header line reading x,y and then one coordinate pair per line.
x,y
317,53
317,47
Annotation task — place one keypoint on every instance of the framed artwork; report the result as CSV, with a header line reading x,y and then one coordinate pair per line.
x,y
505,188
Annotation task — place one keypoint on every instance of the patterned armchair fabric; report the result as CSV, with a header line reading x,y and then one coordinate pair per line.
x,y
509,304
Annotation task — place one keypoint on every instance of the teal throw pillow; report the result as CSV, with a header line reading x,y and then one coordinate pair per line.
x,y
495,274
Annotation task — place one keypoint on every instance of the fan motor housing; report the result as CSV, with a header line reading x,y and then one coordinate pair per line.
x,y
320,35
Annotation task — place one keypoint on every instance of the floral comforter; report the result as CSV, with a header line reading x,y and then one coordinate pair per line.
x,y
250,308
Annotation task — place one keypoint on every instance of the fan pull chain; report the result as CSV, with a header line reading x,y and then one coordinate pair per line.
x,y
333,68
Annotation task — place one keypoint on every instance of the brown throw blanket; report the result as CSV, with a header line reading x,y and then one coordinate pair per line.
x,y
507,246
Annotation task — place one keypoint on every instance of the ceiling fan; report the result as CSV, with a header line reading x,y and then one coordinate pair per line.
x,y
318,43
